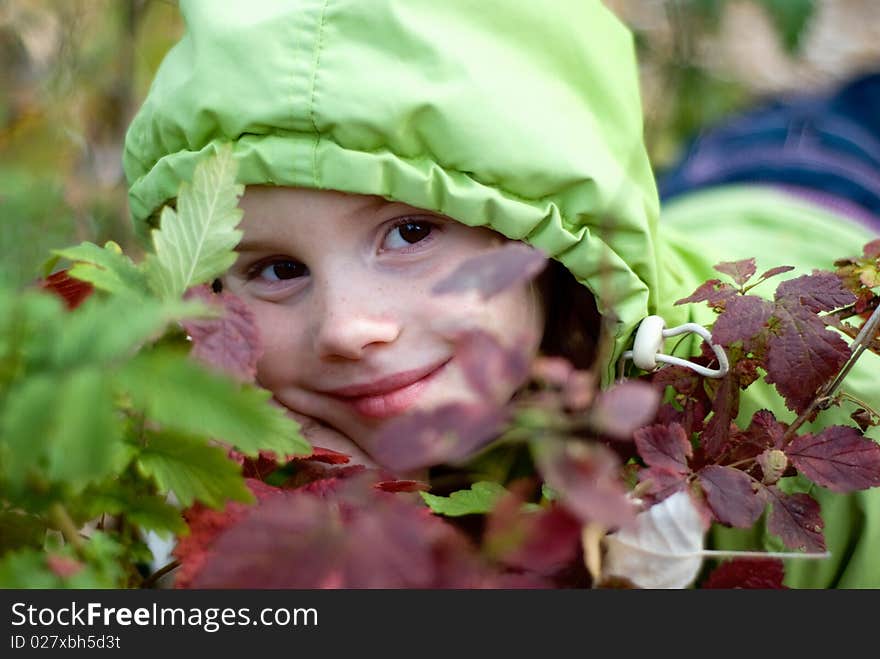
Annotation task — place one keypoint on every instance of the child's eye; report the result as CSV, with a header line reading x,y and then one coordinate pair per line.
x,y
408,232
279,270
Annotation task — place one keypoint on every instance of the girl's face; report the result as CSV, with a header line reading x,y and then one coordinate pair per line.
x,y
340,285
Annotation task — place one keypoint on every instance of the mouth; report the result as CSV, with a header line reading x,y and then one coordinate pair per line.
x,y
389,396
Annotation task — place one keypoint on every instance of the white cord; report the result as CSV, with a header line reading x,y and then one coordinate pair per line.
x,y
649,341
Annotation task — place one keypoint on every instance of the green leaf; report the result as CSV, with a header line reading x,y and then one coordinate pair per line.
x,y
480,498
791,18
148,511
19,530
101,331
182,395
106,268
60,428
196,243
101,567
192,469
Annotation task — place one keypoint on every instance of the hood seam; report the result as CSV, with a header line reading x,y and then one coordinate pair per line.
x,y
319,45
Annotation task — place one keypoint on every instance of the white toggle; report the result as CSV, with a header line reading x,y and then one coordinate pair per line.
x,y
649,341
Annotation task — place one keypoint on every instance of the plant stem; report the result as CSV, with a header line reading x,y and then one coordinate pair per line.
x,y
862,340
150,581
61,520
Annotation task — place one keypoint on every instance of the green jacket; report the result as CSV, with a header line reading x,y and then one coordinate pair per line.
x,y
518,115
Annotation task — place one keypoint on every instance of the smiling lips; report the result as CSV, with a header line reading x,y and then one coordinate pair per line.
x,y
389,396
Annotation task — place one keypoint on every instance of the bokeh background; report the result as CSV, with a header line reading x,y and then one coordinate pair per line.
x,y
72,73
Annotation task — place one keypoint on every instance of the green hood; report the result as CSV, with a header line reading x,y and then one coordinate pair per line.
x,y
456,106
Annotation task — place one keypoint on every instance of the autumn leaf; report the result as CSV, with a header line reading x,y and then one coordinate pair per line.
x,y
664,447
664,547
757,573
796,519
739,271
730,495
624,408
495,271
230,343
838,458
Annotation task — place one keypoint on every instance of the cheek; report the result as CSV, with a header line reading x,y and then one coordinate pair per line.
x,y
282,342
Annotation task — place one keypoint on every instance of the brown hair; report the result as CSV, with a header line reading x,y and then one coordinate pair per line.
x,y
571,318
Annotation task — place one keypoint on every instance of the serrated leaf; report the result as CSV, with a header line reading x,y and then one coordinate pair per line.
x,y
497,270
819,291
838,458
664,447
195,243
664,547
106,268
71,290
182,395
61,427
739,271
730,495
480,498
714,292
102,331
229,343
192,469
744,318
149,512
796,519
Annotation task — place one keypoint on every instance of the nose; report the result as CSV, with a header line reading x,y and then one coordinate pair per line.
x,y
348,323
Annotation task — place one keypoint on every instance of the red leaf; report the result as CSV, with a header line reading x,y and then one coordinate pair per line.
x,y
772,272
446,434
713,292
744,318
402,486
731,496
325,455
796,519
543,542
586,478
765,430
624,408
230,343
872,249
357,538
756,573
820,291
838,458
495,271
802,355
489,367
664,447
739,271
72,291
657,484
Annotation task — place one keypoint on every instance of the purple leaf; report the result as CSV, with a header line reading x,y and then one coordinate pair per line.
x,y
715,293
664,447
446,434
772,272
489,367
587,479
495,271
796,519
624,408
820,291
657,483
730,495
838,458
756,573
744,317
231,343
739,271
363,539
802,355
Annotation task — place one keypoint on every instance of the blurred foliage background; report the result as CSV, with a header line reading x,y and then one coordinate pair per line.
x,y
72,73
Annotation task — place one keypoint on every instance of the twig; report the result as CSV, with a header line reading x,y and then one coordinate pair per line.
x,y
151,580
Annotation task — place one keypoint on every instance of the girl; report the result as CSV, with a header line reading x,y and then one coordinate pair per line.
x,y
384,142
